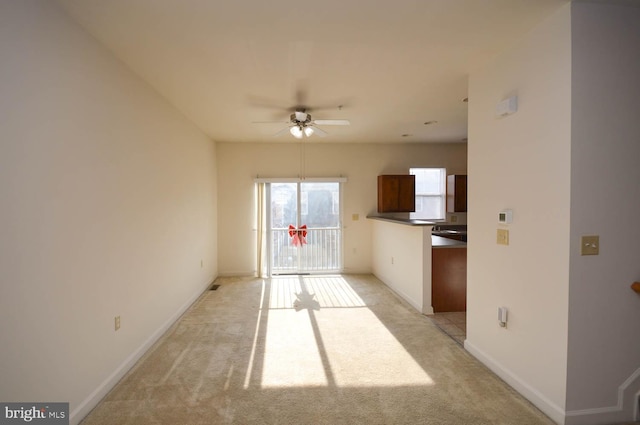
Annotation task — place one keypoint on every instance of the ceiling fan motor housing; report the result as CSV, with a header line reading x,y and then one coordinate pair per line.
x,y
300,117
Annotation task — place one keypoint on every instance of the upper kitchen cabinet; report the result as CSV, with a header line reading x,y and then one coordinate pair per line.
x,y
396,193
457,193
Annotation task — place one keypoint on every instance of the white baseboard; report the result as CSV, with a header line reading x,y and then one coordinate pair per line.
x,y
87,405
552,410
400,294
357,271
626,410
237,274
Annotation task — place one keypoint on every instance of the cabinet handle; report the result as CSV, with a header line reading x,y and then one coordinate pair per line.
x,y
636,287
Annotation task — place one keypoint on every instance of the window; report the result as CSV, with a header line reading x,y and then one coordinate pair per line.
x,y
431,191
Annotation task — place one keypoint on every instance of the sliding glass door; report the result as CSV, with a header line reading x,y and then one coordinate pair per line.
x,y
304,231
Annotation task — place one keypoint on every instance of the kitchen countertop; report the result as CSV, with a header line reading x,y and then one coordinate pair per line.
x,y
440,242
405,221
436,241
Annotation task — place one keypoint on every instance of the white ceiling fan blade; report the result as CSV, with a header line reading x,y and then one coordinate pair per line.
x,y
318,131
281,132
332,122
270,122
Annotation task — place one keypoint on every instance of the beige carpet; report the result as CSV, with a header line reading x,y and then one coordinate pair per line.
x,y
309,350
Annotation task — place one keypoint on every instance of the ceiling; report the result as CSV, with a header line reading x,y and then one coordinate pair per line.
x,y
387,66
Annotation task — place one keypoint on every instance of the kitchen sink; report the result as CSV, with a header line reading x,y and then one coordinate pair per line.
x,y
452,231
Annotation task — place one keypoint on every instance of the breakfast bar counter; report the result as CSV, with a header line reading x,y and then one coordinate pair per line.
x,y
401,251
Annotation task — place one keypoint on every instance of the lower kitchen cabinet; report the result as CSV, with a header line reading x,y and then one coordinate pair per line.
x,y
449,279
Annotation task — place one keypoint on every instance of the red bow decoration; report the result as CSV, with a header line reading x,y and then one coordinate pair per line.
x,y
298,236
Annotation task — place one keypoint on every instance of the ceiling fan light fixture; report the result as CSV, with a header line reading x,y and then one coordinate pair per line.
x,y
308,131
296,132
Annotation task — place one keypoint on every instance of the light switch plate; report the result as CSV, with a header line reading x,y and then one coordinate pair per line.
x,y
503,237
590,245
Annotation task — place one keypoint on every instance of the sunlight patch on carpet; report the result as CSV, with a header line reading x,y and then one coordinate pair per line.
x,y
329,291
318,334
374,356
291,358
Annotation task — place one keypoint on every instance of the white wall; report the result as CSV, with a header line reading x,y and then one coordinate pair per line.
x,y
522,162
108,204
238,165
402,260
604,348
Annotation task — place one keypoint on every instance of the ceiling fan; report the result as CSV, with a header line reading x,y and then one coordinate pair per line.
x,y
301,124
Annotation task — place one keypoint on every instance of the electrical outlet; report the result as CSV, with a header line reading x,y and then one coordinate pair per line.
x,y
117,322
454,218
355,217
503,237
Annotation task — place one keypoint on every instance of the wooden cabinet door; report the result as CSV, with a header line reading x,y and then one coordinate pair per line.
x,y
449,279
457,193
396,193
407,194
388,188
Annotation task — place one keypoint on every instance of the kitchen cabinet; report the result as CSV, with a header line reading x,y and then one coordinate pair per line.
x,y
457,193
396,193
449,279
